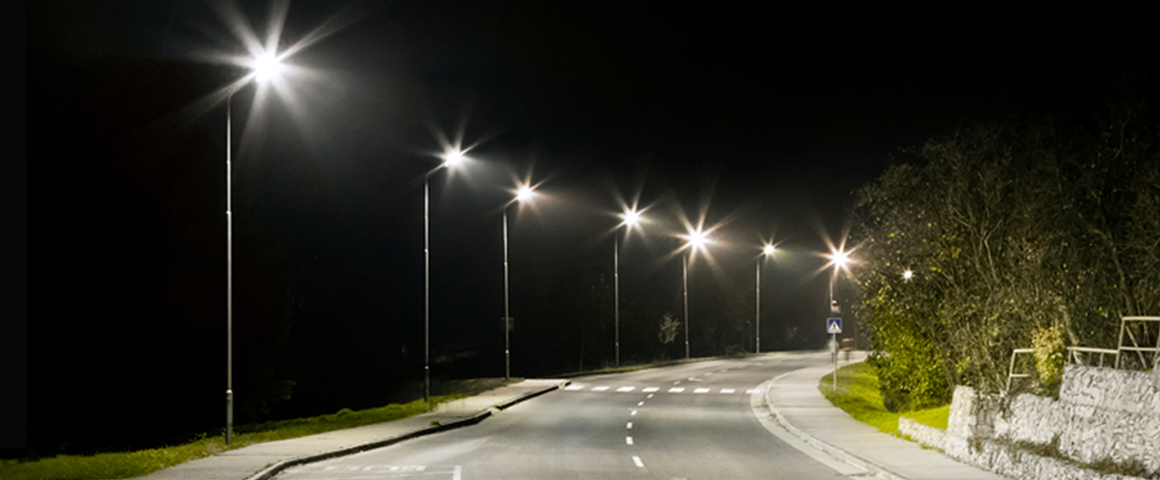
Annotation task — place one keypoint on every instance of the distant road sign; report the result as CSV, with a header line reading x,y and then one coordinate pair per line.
x,y
833,325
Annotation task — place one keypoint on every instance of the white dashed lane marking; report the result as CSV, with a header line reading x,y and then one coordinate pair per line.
x,y
676,390
636,460
628,440
701,390
650,389
626,389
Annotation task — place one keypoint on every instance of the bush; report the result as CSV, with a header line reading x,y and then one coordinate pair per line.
x,y
1050,357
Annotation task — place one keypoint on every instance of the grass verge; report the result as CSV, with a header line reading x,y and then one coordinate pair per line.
x,y
859,396
109,466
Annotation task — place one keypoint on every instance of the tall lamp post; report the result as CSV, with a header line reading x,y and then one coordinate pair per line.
x,y
839,259
631,219
451,159
523,194
263,69
767,252
694,240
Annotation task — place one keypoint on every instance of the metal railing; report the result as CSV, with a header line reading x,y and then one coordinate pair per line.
x,y
1076,354
1011,371
1143,321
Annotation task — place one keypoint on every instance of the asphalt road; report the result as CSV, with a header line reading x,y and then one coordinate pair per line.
x,y
690,421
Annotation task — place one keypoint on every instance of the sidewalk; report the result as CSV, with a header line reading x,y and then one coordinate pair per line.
x,y
264,460
801,409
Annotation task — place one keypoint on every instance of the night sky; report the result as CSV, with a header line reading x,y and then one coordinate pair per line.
x,y
761,121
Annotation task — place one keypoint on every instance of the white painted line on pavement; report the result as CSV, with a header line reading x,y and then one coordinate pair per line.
x,y
574,387
458,473
650,389
628,440
751,391
678,382
640,404
634,413
676,390
727,390
650,396
599,389
701,390
626,389
629,426
637,461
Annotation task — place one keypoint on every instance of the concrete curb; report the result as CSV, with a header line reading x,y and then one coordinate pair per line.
x,y
838,452
272,470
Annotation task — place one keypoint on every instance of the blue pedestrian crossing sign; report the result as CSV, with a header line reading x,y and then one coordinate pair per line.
x,y
833,325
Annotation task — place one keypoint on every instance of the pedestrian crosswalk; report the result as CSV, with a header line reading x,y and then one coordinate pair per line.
x,y
580,387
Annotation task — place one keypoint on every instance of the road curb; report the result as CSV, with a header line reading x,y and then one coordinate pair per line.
x,y
840,453
274,469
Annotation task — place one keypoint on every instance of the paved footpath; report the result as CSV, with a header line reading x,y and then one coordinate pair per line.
x,y
264,460
801,409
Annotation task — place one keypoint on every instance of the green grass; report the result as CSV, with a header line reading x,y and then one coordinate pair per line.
x,y
108,466
859,396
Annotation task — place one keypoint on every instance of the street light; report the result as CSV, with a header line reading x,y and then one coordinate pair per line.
x,y
767,252
451,158
264,68
839,259
694,240
631,219
523,193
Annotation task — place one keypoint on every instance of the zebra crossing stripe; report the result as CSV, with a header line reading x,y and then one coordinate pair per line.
x,y
630,388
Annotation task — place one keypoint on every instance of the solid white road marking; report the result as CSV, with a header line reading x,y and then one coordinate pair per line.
x,y
676,390
628,440
637,461
629,426
626,389
599,389
650,389
574,387
701,390
727,390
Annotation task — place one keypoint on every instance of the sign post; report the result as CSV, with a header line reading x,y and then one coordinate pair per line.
x,y
834,327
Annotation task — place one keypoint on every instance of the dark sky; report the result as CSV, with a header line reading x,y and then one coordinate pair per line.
x,y
763,119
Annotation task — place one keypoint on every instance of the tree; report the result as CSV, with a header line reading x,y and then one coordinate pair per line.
x,y
1015,232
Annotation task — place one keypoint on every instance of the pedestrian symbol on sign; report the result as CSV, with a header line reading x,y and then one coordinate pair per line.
x,y
833,325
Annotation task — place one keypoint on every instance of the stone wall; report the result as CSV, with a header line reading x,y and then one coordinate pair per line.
x,y
1101,414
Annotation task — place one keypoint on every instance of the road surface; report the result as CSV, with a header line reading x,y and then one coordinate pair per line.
x,y
688,421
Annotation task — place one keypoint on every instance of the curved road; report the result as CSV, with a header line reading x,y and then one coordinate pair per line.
x,y
689,421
